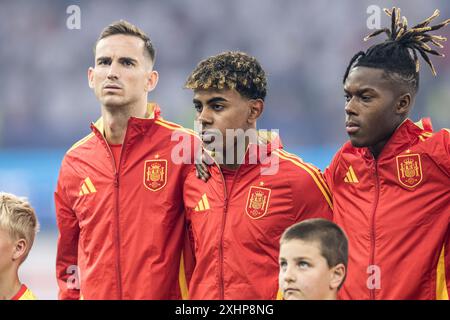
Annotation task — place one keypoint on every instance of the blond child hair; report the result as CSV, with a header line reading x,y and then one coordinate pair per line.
x,y
18,218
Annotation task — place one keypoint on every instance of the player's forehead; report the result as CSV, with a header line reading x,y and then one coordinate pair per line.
x,y
120,45
205,95
365,78
297,248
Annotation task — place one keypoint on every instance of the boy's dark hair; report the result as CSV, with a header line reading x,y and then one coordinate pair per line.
x,y
126,28
230,70
332,240
397,56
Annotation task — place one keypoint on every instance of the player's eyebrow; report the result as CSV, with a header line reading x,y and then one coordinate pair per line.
x,y
212,100
103,59
301,258
361,91
128,59
216,99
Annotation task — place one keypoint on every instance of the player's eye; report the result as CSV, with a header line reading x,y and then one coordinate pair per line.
x,y
366,98
217,107
283,265
303,264
128,63
347,98
198,107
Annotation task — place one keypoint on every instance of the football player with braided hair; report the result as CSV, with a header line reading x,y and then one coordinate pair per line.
x,y
391,181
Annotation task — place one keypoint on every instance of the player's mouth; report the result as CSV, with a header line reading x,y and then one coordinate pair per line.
x,y
208,136
352,127
290,291
112,87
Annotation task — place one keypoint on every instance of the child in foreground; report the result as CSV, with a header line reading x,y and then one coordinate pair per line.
x,y
313,260
18,227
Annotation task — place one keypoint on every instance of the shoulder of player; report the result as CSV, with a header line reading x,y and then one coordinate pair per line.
x,y
291,163
81,144
303,176
431,140
171,127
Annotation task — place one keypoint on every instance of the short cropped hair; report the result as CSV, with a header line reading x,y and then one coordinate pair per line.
x,y
230,70
126,28
18,218
332,240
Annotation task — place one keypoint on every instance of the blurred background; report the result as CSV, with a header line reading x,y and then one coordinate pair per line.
x,y
304,46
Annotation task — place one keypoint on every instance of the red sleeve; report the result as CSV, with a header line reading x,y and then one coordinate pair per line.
x,y
331,170
67,250
189,254
189,245
444,158
447,261
312,195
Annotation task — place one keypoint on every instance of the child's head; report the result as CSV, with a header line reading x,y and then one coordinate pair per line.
x,y
18,227
313,260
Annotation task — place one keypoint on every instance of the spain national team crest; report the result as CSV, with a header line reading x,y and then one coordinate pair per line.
x,y
257,202
409,170
155,174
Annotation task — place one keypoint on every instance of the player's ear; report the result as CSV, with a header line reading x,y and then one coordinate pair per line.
x,y
337,275
256,107
20,247
91,77
152,80
403,104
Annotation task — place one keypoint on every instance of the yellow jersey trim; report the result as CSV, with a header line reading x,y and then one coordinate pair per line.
x,y
318,174
80,142
174,127
441,283
321,187
182,280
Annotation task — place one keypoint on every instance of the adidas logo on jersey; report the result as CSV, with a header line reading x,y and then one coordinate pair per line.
x,y
350,176
87,187
203,204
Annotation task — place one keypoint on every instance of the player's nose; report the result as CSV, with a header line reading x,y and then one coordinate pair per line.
x,y
113,72
289,275
351,107
205,117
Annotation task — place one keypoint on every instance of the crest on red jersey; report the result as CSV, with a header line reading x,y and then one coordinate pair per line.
x,y
409,170
257,202
155,174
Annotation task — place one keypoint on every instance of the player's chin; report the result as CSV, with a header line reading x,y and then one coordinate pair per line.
x,y
292,295
358,141
112,101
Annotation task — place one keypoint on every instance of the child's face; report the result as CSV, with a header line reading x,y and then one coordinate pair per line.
x,y
6,250
304,272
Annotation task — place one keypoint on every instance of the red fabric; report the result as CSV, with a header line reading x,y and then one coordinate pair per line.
x,y
125,238
116,149
19,294
237,254
228,175
399,229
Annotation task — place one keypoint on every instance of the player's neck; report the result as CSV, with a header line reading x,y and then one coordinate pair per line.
x,y
236,155
331,295
115,120
9,285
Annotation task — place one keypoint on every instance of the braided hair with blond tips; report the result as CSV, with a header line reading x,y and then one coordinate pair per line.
x,y
398,55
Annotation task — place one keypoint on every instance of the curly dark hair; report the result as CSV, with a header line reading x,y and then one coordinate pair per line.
x,y
230,70
398,55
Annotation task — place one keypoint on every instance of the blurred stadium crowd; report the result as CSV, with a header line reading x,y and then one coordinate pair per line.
x,y
304,46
